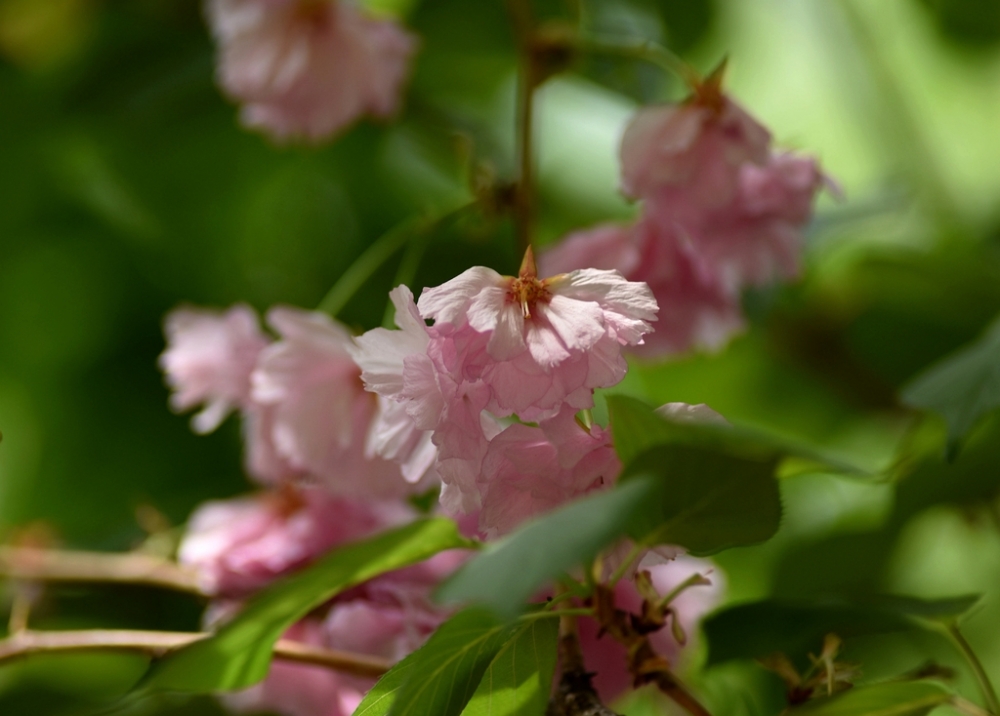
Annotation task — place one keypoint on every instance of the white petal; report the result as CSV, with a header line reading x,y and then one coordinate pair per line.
x,y
485,309
507,340
448,302
580,324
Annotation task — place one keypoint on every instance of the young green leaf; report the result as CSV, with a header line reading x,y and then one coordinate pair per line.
x,y
636,427
519,679
510,571
703,500
895,698
239,653
439,678
963,387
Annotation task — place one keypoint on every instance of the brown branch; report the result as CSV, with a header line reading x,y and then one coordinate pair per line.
x,y
527,81
575,694
45,565
156,644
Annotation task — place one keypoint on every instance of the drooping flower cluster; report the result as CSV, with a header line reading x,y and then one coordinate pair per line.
x,y
308,68
722,211
501,347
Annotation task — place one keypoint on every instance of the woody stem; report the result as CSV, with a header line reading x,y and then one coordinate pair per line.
x,y
527,82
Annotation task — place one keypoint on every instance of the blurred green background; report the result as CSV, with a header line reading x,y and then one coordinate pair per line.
x,y
127,187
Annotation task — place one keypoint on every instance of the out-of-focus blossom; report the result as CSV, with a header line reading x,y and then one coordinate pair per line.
x,y
308,68
608,659
694,149
237,546
686,413
313,413
757,238
529,470
209,358
696,309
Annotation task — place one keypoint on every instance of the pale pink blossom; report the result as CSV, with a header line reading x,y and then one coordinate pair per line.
x,y
608,659
308,68
757,237
695,149
237,546
530,470
549,341
209,358
696,309
699,414
313,414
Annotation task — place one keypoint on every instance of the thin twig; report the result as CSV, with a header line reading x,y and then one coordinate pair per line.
x,y
46,565
575,695
967,707
156,644
644,50
985,685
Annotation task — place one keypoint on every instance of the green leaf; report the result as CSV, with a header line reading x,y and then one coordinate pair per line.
x,y
896,698
636,427
238,655
963,387
759,629
705,501
439,678
519,679
508,572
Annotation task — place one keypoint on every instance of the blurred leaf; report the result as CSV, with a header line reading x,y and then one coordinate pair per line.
x,y
238,655
439,678
519,679
508,572
636,427
963,387
759,629
900,698
704,500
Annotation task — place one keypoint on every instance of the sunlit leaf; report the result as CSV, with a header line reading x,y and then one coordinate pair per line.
x,y
637,427
519,679
439,678
239,653
898,698
963,387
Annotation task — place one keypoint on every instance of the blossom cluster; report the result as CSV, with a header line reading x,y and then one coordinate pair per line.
x,y
721,211
504,347
308,68
483,391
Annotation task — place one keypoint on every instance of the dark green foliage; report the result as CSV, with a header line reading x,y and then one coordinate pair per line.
x,y
796,628
963,387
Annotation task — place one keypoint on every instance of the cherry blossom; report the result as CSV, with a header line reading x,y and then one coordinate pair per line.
x,y
312,412
695,307
530,470
693,150
549,340
308,68
237,546
209,358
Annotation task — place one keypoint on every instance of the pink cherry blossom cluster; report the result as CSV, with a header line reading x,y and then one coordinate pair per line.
x,y
308,68
502,351
337,462
722,211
